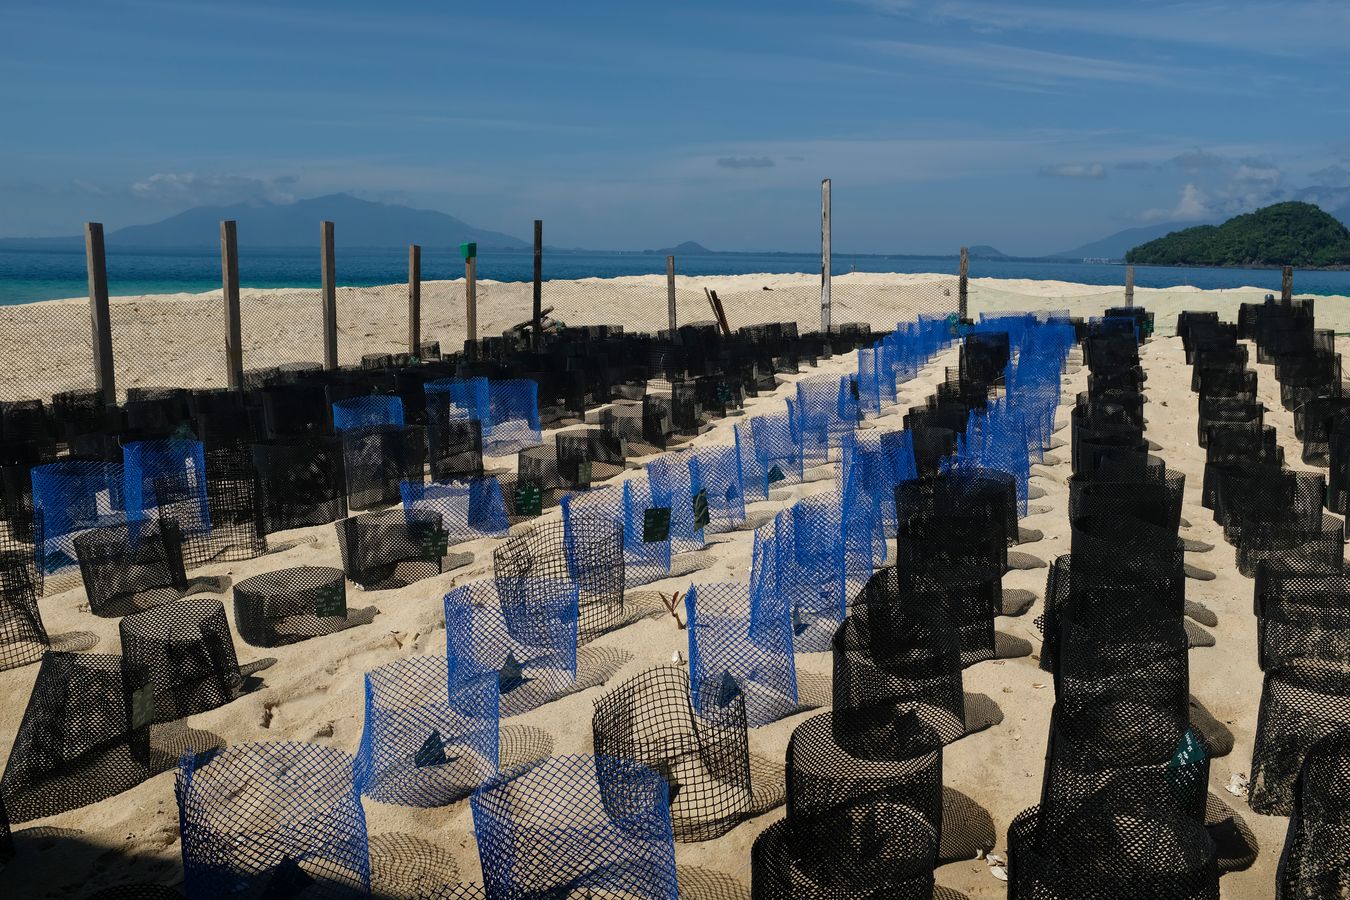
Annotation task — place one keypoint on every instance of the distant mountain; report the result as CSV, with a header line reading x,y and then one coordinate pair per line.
x,y
688,248
357,223
984,251
1117,245
1288,234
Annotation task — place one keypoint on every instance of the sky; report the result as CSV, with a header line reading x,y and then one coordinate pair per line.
x,y
1030,126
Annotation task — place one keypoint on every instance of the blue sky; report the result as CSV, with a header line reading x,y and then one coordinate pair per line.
x,y
1031,126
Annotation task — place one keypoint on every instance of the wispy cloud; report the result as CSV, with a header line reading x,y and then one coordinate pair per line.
x,y
1192,206
193,189
745,162
1083,171
1037,65
1197,160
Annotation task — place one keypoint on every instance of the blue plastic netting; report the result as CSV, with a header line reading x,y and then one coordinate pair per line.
x,y
778,448
512,422
272,820
644,561
527,641
717,471
426,742
364,412
737,652
175,466
670,478
469,509
589,826
752,471
69,497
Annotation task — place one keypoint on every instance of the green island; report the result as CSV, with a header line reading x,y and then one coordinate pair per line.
x,y
1285,234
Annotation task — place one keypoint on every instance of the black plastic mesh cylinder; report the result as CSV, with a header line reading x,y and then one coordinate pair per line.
x,y
1316,858
704,758
132,567
1301,702
300,482
376,459
393,548
290,605
960,560
23,639
586,551
179,659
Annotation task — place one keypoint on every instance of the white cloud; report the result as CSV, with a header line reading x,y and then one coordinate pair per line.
x,y
1090,171
1192,206
200,190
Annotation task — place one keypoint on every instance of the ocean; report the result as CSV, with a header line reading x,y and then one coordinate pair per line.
x,y
27,275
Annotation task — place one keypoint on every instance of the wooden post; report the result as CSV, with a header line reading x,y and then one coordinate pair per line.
x,y
963,286
229,283
1287,284
670,299
105,380
329,264
825,257
538,283
414,300
1129,286
470,253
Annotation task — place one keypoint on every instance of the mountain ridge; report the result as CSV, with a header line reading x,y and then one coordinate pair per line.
x,y
1291,233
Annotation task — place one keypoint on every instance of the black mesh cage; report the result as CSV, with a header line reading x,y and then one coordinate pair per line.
x,y
958,563
588,455
1127,658
1301,702
896,661
855,827
703,757
23,639
236,530
1316,858
377,458
300,482
136,892
179,659
1301,614
586,551
290,605
131,567
393,548
291,410
83,737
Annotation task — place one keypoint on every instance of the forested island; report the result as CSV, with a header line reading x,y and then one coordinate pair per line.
x,y
1285,234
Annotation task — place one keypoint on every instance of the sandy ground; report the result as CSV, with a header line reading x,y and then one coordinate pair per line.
x,y
314,692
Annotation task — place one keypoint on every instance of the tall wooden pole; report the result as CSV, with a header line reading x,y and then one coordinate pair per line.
x,y
1287,284
825,263
670,299
538,283
470,253
1129,286
329,265
105,380
414,300
963,286
229,283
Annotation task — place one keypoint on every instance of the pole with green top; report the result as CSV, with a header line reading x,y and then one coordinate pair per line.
x,y
469,251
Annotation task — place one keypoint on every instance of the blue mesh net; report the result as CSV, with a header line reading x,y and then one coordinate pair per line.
x,y
512,422
527,640
778,448
813,443
426,742
869,381
752,472
272,820
735,652
585,826
363,412
469,509
175,467
69,497
469,395
627,505
716,473
671,481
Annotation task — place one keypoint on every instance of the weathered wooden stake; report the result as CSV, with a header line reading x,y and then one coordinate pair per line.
x,y
1129,286
535,336
670,299
414,300
1287,284
329,266
105,380
229,283
825,263
963,286
470,254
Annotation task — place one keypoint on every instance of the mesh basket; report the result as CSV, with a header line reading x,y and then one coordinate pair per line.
x,y
235,529
132,567
70,497
392,549
427,741
1301,702
81,738
703,758
584,552
278,819
23,639
468,509
670,481
454,446
526,640
957,563
300,482
291,605
1317,845
376,459
731,652
180,659
583,825
585,456
367,412
178,467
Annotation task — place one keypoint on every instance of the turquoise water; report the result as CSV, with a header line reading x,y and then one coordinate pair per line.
x,y
27,275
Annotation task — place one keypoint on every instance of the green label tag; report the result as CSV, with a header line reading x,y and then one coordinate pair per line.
x,y
431,753
584,472
776,475
724,393
331,601
511,674
1184,773
728,691
656,524
435,544
143,706
529,500
701,515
